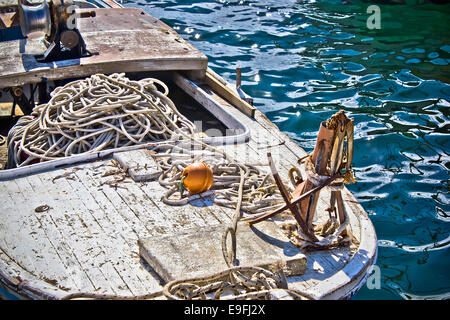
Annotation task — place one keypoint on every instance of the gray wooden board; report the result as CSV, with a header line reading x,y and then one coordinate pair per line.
x,y
121,40
198,251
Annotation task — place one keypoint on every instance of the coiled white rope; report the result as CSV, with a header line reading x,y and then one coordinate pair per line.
x,y
97,113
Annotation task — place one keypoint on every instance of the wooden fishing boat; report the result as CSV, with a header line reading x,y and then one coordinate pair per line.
x,y
94,225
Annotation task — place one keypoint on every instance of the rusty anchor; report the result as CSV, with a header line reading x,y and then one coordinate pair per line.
x,y
328,165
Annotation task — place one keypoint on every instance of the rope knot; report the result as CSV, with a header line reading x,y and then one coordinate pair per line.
x,y
317,180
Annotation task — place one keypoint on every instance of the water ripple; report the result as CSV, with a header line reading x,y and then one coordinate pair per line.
x,y
443,244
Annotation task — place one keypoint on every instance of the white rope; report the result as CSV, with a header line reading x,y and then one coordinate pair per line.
x,y
255,283
97,113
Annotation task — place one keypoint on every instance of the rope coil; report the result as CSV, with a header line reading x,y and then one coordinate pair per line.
x,y
256,283
97,113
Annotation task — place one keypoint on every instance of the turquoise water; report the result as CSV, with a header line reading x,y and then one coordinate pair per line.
x,y
304,60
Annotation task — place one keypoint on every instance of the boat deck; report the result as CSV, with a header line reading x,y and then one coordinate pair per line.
x,y
88,240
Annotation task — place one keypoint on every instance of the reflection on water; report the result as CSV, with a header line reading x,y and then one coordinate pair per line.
x,y
304,60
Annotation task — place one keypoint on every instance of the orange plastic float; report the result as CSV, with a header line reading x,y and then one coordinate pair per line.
x,y
196,178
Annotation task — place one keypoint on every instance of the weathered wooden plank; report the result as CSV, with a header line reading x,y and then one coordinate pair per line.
x,y
236,132
113,202
139,164
23,283
71,267
61,217
123,40
144,201
159,217
112,252
123,250
63,249
30,246
9,226
105,209
67,216
197,251
110,242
